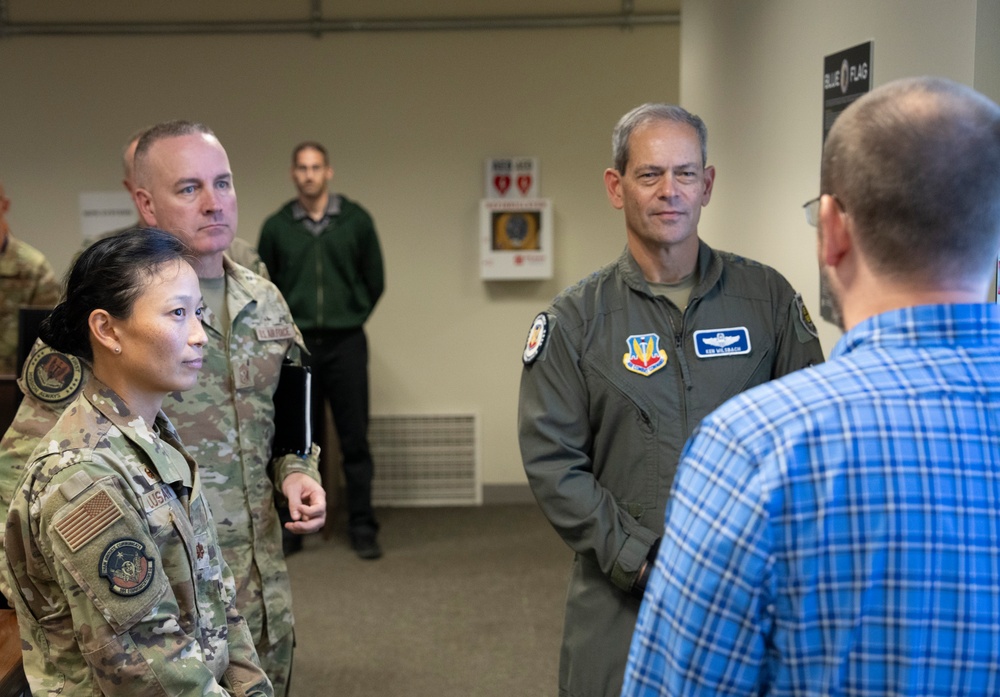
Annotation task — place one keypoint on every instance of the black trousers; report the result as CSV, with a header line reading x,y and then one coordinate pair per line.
x,y
339,362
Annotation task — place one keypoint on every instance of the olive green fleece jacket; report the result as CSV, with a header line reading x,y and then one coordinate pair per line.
x,y
331,280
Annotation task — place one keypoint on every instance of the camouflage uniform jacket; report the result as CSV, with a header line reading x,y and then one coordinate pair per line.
x,y
227,424
121,587
26,278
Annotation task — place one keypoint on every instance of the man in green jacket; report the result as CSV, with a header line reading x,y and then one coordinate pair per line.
x,y
322,251
622,367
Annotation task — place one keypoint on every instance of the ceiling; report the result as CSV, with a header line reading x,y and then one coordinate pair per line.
x,y
22,12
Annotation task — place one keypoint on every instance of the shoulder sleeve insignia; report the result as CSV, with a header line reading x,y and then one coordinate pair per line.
x,y
51,376
126,567
804,327
537,336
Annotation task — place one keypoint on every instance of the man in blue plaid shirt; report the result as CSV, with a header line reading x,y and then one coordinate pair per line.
x,y
837,531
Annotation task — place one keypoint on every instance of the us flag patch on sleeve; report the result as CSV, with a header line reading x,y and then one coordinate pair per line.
x,y
87,520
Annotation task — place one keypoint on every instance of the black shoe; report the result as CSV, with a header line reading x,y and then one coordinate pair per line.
x,y
366,546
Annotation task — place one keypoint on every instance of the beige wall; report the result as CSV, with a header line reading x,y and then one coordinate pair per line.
x,y
409,119
762,99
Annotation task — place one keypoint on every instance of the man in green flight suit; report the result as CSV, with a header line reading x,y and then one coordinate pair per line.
x,y
622,367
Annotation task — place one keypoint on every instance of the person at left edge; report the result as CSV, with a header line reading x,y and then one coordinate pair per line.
x,y
120,585
26,278
621,368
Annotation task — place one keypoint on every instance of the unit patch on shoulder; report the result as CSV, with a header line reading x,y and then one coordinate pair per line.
x,y
537,335
804,321
644,355
52,376
731,341
128,570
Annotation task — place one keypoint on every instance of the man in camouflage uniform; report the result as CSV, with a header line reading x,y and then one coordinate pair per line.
x,y
113,545
227,420
26,278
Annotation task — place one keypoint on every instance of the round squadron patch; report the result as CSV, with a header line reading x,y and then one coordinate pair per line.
x,y
128,570
537,335
52,376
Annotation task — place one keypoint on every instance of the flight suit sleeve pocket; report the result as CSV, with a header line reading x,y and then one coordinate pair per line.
x,y
100,540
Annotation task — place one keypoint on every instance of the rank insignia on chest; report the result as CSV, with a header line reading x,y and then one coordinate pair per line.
x,y
732,341
202,557
242,377
644,355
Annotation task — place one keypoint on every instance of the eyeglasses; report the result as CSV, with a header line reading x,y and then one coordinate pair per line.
x,y
811,208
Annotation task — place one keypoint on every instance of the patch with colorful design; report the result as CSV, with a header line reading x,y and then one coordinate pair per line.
x,y
537,335
128,570
644,355
52,376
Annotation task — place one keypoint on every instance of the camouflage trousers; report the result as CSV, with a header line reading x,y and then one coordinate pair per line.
x,y
276,660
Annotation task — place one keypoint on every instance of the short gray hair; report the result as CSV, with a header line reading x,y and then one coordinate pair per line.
x,y
167,129
647,113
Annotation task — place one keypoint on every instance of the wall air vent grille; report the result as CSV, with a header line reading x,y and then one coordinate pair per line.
x,y
425,460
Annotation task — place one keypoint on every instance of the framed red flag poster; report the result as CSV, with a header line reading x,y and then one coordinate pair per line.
x,y
515,239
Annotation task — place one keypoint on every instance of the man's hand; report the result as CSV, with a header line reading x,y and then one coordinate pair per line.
x,y
646,570
306,503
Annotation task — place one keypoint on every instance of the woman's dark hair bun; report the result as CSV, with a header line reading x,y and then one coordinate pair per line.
x,y
109,275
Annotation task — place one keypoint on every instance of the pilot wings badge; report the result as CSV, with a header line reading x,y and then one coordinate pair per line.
x,y
644,355
721,341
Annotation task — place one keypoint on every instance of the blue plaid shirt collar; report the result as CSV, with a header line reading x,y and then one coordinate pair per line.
x,y
924,325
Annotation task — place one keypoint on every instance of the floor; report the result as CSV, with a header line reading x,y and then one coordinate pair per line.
x,y
465,601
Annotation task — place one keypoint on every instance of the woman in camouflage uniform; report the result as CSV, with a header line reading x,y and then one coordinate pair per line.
x,y
118,580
